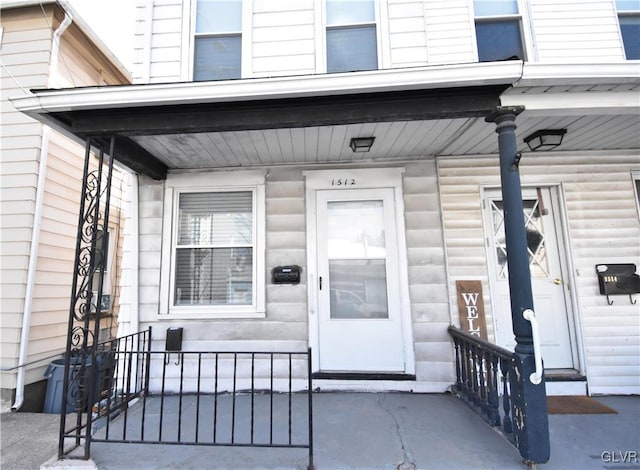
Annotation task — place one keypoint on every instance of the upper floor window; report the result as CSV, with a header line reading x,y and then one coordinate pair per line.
x,y
629,17
218,40
352,42
498,30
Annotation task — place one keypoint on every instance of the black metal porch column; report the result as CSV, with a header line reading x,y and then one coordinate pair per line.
x,y
529,400
79,384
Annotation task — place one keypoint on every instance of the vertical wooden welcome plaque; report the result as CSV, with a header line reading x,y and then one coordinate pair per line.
x,y
471,308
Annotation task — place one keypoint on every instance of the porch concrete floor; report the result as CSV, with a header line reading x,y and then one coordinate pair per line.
x,y
379,431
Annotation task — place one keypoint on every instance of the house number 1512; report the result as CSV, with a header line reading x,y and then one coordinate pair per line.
x,y
343,182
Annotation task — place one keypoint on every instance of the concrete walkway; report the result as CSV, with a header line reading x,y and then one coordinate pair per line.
x,y
383,431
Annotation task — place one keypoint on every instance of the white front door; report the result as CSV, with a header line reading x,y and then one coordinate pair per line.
x,y
547,264
359,304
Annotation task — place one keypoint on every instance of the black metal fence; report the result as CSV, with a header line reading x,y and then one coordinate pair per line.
x,y
483,375
102,382
206,398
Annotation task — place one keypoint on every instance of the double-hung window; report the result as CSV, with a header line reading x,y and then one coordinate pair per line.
x,y
629,18
218,40
498,30
213,258
351,41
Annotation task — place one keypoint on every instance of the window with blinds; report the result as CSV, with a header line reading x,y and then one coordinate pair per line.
x,y
214,249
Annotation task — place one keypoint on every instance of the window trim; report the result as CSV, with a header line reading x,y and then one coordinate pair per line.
x,y
189,44
223,181
382,40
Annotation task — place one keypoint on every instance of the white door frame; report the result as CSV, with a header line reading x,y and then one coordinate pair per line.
x,y
566,261
347,178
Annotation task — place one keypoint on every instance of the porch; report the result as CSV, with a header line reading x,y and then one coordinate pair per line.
x,y
363,430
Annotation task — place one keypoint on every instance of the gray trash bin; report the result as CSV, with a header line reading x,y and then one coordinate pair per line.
x,y
55,385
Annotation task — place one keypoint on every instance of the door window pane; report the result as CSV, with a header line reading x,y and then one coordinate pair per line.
x,y
536,244
355,229
358,289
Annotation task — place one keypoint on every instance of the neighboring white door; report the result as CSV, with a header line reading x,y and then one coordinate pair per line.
x,y
548,274
359,323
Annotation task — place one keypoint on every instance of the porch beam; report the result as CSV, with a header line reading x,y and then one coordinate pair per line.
x,y
129,153
529,400
288,113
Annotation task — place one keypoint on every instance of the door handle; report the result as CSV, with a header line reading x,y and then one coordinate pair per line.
x,y
557,281
320,281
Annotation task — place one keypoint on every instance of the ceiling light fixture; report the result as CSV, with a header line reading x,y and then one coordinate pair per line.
x,y
361,144
545,139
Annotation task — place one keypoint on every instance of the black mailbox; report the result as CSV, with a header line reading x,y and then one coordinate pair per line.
x,y
618,279
174,339
286,275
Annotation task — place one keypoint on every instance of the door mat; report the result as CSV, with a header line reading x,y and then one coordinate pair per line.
x,y
576,405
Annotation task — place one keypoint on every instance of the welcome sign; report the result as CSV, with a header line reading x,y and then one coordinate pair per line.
x,y
471,308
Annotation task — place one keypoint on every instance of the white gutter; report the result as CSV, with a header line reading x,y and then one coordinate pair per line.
x,y
35,230
299,86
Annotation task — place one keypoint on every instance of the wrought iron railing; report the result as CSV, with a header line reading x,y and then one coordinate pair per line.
x,y
483,375
115,373
212,398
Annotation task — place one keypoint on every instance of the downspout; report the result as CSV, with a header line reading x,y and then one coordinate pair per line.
x,y
35,231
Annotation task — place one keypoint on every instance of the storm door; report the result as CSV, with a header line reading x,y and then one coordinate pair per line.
x,y
360,327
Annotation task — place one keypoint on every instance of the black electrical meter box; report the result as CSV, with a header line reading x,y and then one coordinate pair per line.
x,y
286,275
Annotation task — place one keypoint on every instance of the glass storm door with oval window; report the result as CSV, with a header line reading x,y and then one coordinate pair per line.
x,y
547,264
360,328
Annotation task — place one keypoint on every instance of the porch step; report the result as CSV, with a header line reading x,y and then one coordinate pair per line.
x,y
565,383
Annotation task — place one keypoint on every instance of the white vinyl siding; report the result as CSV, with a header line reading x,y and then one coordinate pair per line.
x,y
159,51
427,277
283,38
26,42
407,33
599,200
570,32
449,31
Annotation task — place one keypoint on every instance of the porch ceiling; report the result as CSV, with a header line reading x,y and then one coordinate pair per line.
x,y
398,140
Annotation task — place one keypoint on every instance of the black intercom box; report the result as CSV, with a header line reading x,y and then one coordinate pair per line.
x,y
286,275
174,339
618,279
